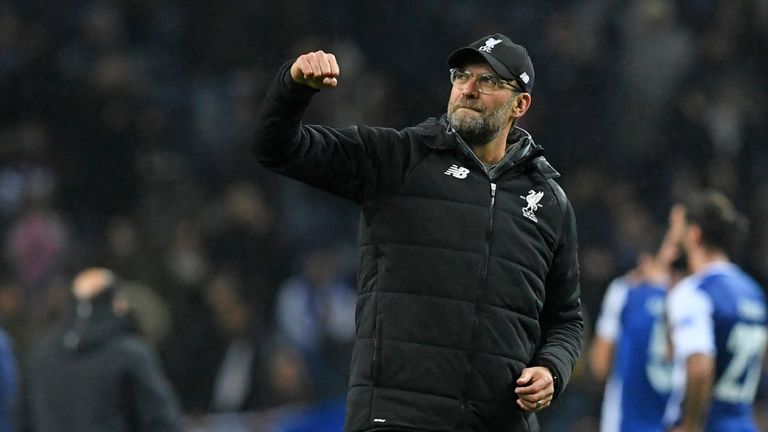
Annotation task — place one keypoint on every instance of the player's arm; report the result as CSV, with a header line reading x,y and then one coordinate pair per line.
x,y
700,376
601,358
692,334
608,329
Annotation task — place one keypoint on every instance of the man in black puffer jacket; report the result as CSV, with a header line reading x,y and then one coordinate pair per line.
x,y
468,317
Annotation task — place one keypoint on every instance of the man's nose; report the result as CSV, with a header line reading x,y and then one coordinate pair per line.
x,y
470,87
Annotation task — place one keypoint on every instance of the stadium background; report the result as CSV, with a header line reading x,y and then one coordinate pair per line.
x,y
124,141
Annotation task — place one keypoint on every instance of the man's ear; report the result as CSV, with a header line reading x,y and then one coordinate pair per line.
x,y
520,106
696,234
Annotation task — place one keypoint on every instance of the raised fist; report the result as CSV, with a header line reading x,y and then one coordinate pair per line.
x,y
316,69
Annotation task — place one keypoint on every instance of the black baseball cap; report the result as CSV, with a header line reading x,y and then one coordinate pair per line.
x,y
508,59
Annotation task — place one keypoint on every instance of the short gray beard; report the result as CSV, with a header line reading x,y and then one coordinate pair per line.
x,y
479,130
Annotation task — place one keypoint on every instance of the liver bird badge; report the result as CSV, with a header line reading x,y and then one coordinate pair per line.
x,y
532,199
489,44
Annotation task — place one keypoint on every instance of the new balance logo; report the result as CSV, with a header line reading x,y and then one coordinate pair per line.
x,y
457,171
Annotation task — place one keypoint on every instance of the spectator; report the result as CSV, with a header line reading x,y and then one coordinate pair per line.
x,y
315,315
94,373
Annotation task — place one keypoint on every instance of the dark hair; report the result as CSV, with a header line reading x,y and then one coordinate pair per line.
x,y
722,227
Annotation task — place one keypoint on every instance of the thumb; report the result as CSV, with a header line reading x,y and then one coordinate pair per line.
x,y
525,376
330,82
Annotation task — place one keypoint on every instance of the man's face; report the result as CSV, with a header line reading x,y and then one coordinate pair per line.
x,y
476,116
680,233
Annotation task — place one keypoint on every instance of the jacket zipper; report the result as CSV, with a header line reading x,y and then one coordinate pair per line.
x,y
483,280
489,232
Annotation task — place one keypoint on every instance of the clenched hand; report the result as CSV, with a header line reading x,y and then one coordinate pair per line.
x,y
316,69
536,388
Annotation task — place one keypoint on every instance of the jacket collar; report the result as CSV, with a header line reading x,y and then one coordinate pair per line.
x,y
521,149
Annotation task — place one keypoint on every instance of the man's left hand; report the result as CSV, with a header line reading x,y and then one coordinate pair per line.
x,y
535,389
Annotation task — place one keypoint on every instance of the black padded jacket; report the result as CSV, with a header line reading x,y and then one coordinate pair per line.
x,y
466,275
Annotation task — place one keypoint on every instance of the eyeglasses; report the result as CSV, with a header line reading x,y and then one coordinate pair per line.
x,y
487,83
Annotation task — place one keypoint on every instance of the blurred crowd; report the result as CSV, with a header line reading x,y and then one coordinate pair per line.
x,y
125,131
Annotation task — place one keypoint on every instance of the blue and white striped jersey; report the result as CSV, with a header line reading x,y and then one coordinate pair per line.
x,y
720,311
636,394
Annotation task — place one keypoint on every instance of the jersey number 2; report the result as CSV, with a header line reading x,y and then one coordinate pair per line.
x,y
738,384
